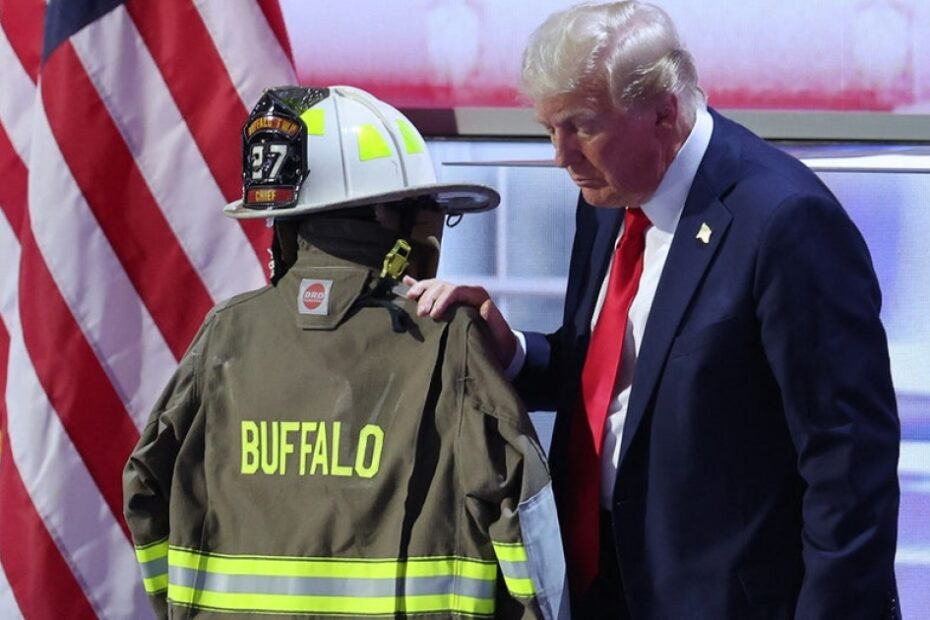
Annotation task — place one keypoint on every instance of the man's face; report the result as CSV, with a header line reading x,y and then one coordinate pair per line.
x,y
616,157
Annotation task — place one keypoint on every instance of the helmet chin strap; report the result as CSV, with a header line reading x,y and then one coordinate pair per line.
x,y
283,249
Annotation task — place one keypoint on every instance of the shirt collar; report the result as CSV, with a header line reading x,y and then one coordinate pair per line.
x,y
665,206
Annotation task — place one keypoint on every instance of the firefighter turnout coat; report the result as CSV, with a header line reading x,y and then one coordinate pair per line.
x,y
307,460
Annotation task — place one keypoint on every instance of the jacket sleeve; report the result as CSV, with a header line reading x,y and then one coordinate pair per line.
x,y
510,491
148,475
538,381
818,304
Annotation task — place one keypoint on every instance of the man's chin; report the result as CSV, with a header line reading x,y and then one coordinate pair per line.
x,y
599,198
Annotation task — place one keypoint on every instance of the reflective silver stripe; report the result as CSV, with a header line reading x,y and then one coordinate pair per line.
x,y
543,543
517,570
322,586
154,568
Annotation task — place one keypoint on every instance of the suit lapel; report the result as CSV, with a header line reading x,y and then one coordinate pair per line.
x,y
607,228
701,229
598,246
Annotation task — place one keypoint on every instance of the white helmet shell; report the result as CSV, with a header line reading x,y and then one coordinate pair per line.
x,y
359,151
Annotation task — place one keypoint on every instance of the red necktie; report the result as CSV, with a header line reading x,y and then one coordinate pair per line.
x,y
581,505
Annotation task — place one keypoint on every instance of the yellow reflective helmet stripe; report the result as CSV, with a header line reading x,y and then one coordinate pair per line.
x,y
315,119
412,141
515,568
371,144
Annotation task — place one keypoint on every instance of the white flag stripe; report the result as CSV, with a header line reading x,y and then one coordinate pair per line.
x,y
114,320
9,270
53,472
17,97
114,54
249,48
9,608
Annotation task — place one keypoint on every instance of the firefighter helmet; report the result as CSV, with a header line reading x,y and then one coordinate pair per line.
x,y
307,150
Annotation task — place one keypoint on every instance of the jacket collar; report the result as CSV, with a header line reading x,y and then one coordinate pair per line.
x,y
337,261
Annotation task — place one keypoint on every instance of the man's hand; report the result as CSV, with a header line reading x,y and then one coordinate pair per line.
x,y
434,297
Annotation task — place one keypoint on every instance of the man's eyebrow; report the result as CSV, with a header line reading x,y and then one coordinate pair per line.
x,y
580,113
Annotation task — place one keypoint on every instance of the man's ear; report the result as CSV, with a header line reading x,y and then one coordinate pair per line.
x,y
666,110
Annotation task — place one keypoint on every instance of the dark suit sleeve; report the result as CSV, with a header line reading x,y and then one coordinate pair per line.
x,y
818,304
552,365
538,381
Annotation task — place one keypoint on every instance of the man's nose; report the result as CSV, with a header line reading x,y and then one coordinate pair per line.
x,y
566,149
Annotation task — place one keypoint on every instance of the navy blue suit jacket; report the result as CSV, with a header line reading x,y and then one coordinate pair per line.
x,y
757,475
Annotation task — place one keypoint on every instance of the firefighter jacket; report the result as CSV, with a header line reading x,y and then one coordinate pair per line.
x,y
307,460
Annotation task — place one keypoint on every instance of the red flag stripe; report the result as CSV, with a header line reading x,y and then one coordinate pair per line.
x,y
22,21
89,537
87,357
77,387
13,187
111,51
250,72
39,577
10,559
92,282
200,84
126,210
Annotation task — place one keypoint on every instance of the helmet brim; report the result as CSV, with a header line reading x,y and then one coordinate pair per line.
x,y
453,198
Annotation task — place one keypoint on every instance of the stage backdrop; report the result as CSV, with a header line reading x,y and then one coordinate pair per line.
x,y
862,55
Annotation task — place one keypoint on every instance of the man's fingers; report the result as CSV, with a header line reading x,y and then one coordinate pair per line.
x,y
435,297
505,343
412,284
445,297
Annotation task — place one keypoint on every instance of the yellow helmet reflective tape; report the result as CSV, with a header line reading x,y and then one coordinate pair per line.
x,y
153,561
315,119
513,561
412,140
371,144
331,585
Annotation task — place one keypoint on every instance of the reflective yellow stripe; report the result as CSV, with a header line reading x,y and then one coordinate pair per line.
x,y
153,561
314,118
412,141
510,552
156,584
514,567
331,585
520,587
153,551
371,144
332,567
329,604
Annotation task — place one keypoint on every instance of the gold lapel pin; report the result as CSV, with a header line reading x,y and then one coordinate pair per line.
x,y
704,233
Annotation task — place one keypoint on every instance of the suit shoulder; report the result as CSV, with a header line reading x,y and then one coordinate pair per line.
x,y
769,179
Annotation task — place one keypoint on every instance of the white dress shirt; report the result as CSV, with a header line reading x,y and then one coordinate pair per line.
x,y
663,209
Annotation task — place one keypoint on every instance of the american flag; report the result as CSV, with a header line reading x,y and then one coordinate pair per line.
x,y
119,145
